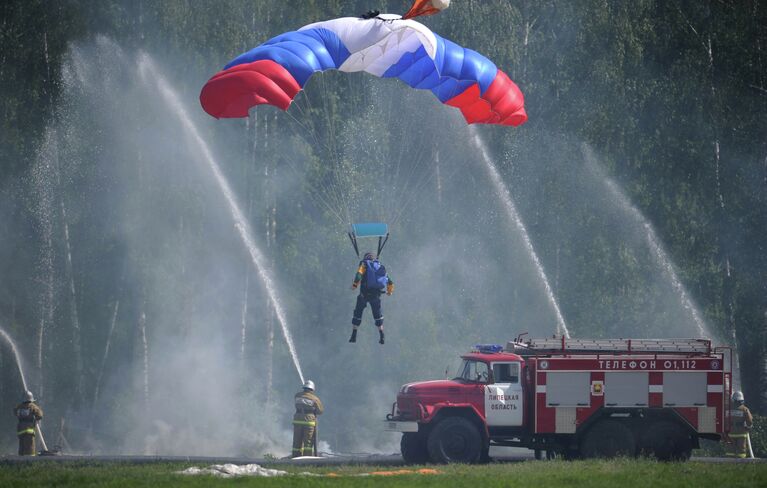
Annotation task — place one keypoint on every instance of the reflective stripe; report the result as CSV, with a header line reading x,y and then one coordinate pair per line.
x,y
26,431
738,436
305,422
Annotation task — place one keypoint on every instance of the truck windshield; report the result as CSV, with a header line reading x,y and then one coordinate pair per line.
x,y
474,371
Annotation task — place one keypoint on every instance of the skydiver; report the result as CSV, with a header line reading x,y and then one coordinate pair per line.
x,y
372,274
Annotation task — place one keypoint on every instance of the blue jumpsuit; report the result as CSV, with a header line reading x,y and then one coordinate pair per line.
x,y
369,295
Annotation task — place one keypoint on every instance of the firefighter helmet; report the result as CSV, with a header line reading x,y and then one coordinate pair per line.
x,y
309,385
738,397
28,396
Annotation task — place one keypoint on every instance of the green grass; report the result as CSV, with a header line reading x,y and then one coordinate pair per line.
x,y
559,474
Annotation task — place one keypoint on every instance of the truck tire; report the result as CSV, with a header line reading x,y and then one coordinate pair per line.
x,y
551,455
454,440
669,441
413,448
484,456
608,439
570,454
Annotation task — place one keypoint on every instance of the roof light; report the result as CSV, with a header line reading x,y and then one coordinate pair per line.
x,y
488,348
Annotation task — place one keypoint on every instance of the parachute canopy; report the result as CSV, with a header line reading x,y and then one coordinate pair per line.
x,y
386,46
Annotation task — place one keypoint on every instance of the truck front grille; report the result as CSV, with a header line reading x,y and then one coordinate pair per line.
x,y
407,408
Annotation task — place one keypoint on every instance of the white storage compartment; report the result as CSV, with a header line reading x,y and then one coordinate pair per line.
x,y
568,389
684,389
628,389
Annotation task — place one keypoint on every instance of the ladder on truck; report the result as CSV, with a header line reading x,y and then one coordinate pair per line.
x,y
563,345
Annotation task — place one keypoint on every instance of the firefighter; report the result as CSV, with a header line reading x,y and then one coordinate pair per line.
x,y
28,413
741,423
308,407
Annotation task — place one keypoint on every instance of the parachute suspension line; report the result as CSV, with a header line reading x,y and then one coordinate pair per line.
x,y
334,145
399,179
381,244
408,190
306,127
410,199
316,196
333,192
394,174
337,193
353,238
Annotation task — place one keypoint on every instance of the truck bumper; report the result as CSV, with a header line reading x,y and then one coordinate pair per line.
x,y
400,426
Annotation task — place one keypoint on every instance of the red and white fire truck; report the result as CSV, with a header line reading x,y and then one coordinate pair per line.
x,y
571,398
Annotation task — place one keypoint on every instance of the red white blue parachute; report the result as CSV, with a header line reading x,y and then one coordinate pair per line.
x,y
386,46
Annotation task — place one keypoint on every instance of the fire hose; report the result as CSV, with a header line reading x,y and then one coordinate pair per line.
x,y
39,432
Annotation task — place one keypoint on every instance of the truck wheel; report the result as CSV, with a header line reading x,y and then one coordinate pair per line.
x,y
570,454
669,442
413,448
608,439
484,456
551,455
454,440
545,454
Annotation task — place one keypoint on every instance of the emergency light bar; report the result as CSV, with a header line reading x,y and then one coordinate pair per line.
x,y
488,348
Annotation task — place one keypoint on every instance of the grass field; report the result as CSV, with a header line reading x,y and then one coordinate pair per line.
x,y
617,473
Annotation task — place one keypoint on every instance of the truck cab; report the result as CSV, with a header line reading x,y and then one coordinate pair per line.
x,y
484,398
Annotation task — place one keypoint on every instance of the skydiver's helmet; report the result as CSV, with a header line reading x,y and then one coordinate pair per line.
x,y
738,398
309,385
368,256
28,396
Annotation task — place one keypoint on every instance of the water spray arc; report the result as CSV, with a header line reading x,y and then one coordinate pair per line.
x,y
16,355
659,254
147,68
511,210
652,240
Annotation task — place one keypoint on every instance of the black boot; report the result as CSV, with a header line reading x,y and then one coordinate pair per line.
x,y
381,334
353,338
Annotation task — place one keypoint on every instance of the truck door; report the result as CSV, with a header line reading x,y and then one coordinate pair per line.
x,y
503,398
477,375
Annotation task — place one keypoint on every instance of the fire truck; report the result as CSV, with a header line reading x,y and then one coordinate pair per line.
x,y
574,398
